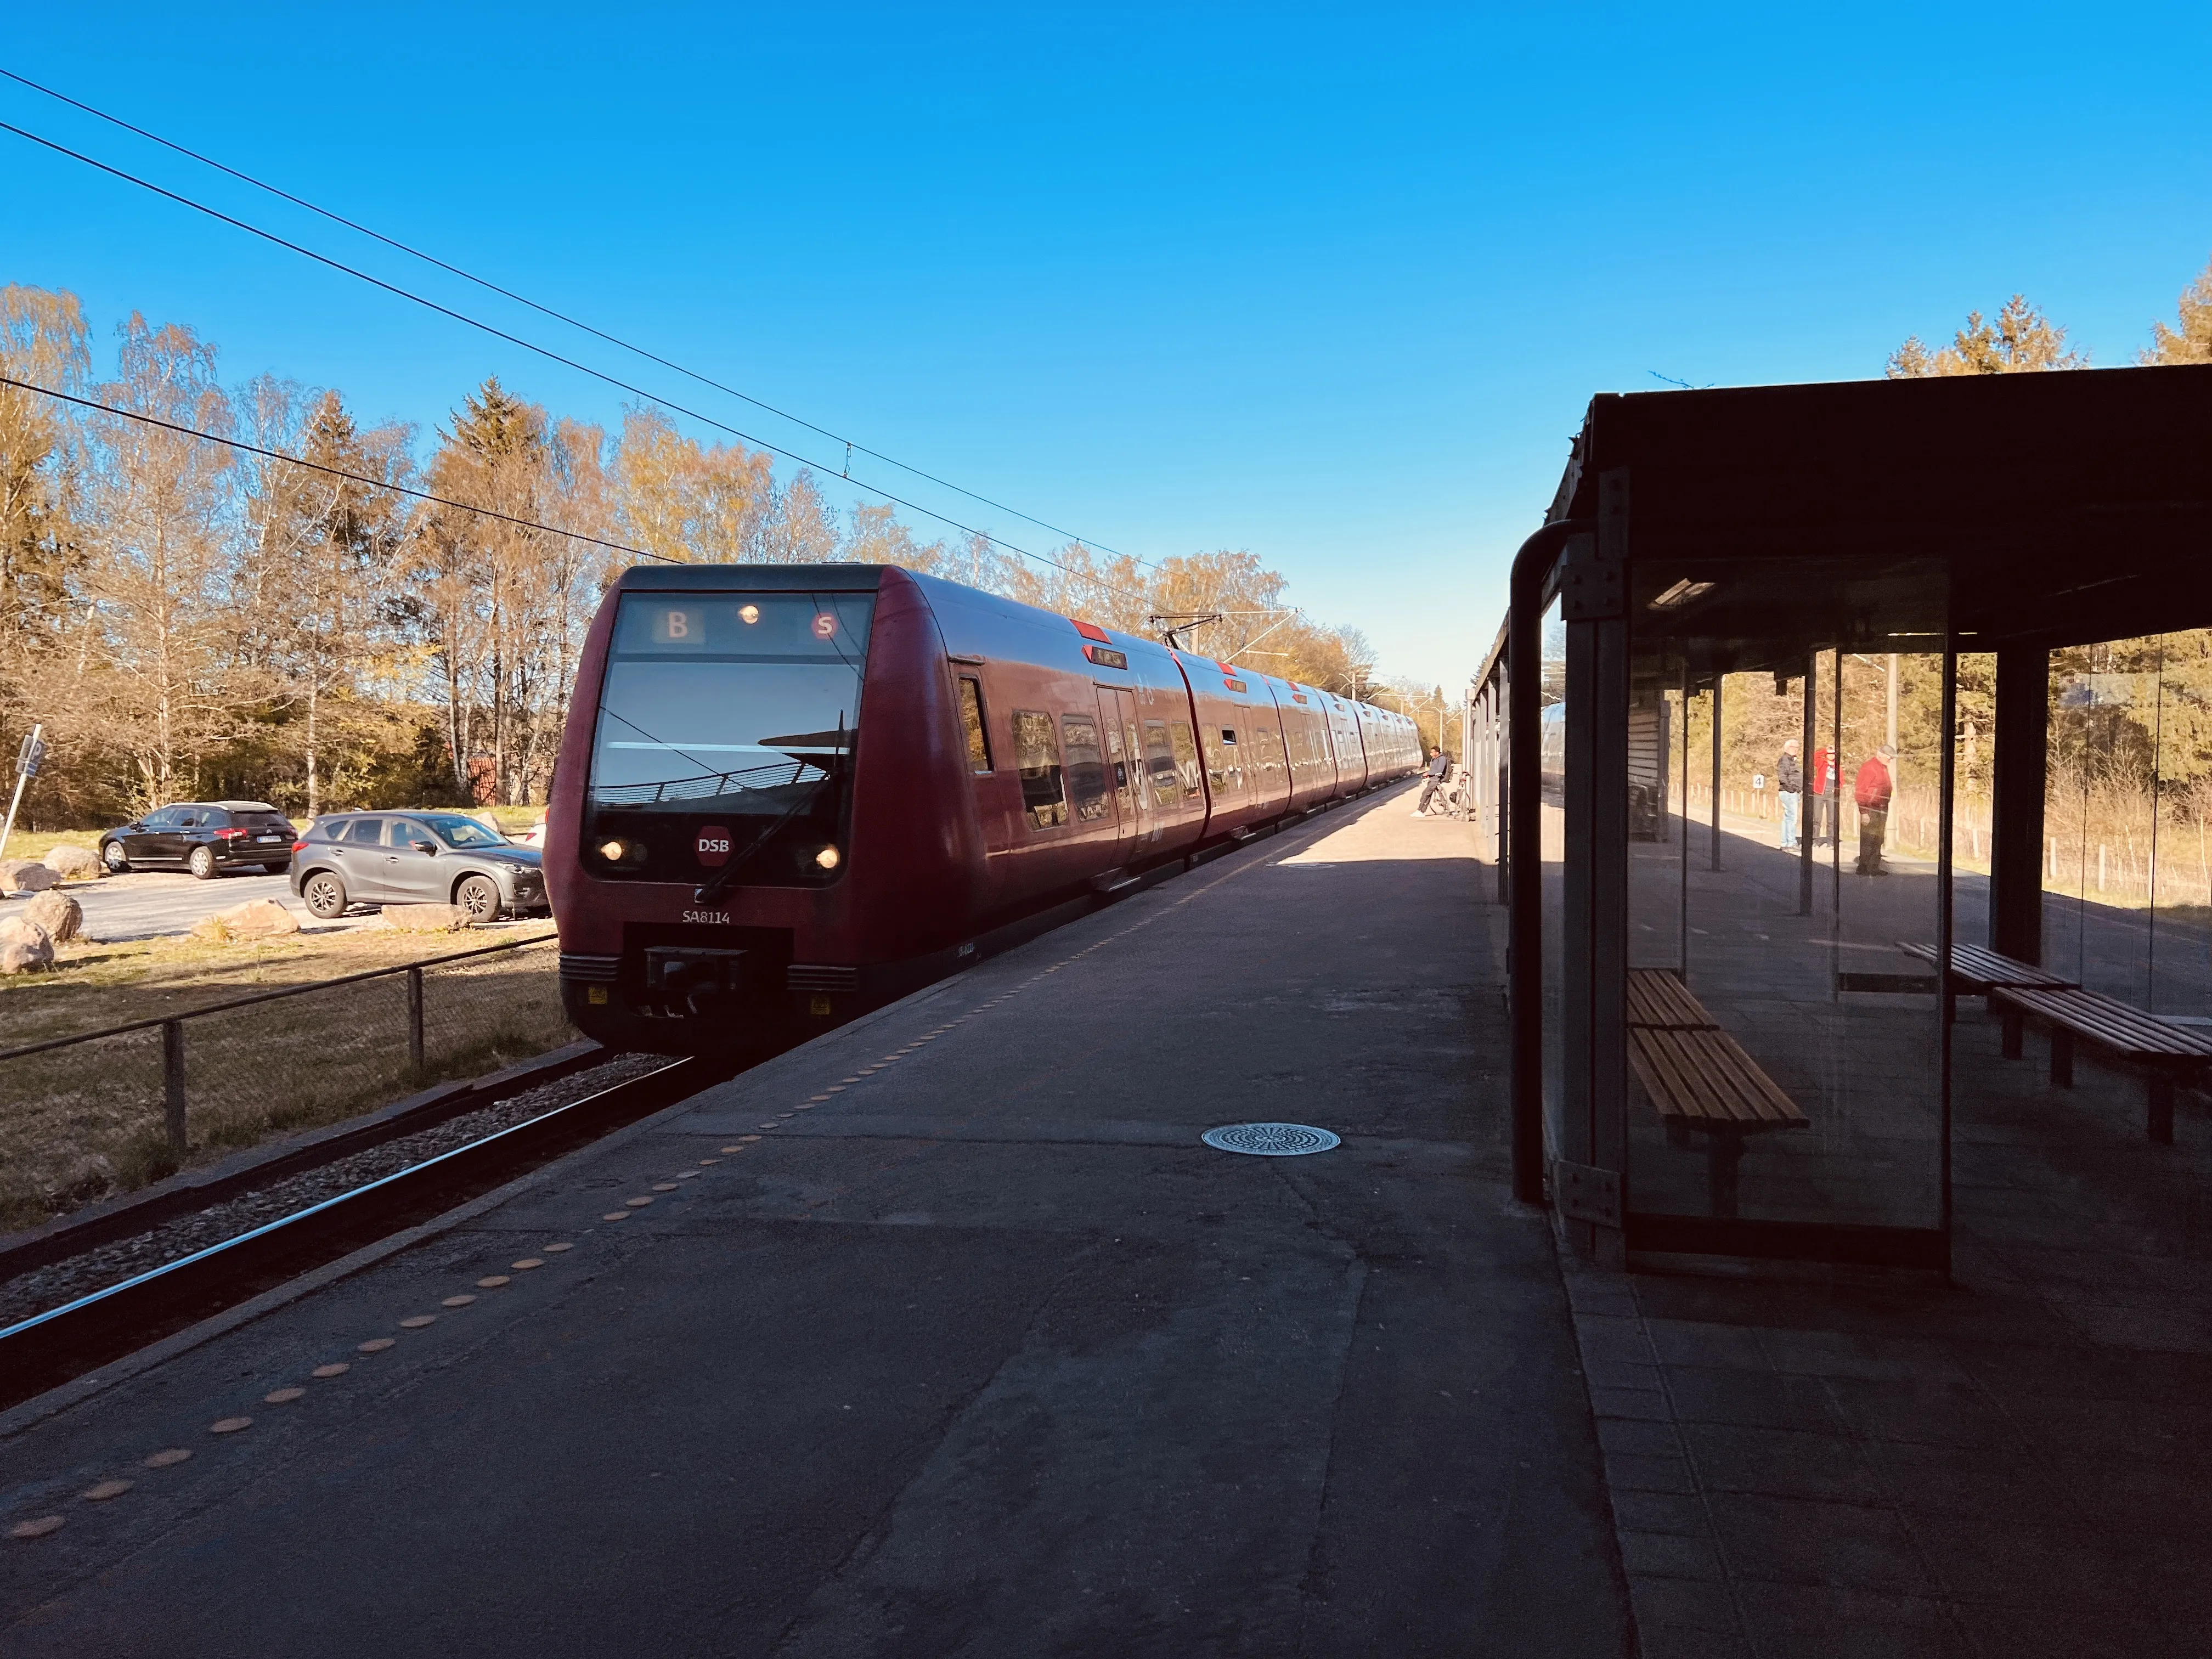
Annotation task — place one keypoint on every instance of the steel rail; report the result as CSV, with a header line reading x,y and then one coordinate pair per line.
x,y
66,1342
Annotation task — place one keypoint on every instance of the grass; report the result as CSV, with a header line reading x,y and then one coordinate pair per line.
x,y
82,1122
36,844
93,985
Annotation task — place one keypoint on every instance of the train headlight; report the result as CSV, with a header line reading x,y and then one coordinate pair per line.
x,y
748,614
614,850
829,858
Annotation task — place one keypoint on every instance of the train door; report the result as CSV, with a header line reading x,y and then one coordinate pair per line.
x,y
1125,759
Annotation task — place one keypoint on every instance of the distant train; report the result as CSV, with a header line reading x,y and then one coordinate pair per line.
x,y
727,857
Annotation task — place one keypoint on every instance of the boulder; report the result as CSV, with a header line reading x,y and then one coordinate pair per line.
x,y
26,876
71,862
426,918
61,916
24,945
255,919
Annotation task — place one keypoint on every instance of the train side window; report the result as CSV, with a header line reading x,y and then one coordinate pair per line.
x,y
1186,756
1036,753
1226,770
971,721
1160,761
1088,780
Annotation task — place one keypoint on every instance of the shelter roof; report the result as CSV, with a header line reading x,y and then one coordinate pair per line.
x,y
2066,506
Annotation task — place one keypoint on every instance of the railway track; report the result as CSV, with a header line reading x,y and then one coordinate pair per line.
x,y
79,1336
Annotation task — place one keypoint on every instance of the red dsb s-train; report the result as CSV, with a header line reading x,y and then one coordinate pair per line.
x,y
728,857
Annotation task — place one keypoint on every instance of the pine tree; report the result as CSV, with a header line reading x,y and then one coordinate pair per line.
x,y
43,340
2021,341
2191,343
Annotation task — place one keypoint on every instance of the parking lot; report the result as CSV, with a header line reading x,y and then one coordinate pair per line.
x,y
153,903
147,905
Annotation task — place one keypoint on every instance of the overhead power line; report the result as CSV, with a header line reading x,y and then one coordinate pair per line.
x,y
851,446
332,471
554,357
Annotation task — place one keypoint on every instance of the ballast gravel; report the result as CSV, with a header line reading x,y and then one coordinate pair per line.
x,y
61,1282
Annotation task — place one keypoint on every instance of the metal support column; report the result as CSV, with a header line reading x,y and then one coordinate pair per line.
x,y
2019,752
1716,848
173,1083
1502,778
1523,861
415,1021
1593,975
1947,793
1807,820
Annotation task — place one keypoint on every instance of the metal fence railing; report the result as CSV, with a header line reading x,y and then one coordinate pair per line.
x,y
107,1110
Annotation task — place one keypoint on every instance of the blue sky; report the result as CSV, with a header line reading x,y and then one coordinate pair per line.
x,y
1331,284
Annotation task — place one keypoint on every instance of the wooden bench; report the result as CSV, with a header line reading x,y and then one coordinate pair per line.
x,y
1701,1080
1658,999
1983,971
2169,1055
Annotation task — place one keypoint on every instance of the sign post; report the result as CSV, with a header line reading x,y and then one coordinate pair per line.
x,y
27,757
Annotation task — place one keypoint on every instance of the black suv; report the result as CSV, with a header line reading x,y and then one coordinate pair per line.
x,y
206,837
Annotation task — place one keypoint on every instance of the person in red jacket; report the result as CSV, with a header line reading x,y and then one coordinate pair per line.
x,y
1872,790
1820,779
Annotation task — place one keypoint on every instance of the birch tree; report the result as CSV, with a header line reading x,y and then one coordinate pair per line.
x,y
159,506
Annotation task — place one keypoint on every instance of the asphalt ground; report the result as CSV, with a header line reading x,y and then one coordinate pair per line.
x,y
156,903
976,1349
149,903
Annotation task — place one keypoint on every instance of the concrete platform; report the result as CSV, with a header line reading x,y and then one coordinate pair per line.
x,y
976,1350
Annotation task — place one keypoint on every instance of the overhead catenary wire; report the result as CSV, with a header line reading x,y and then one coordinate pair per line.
x,y
408,490
551,356
851,446
145,419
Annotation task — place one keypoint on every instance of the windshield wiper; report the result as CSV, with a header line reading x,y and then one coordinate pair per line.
x,y
706,890
715,883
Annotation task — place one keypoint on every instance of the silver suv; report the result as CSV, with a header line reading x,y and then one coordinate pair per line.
x,y
415,858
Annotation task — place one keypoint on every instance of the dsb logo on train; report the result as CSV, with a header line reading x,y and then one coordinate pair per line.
x,y
713,845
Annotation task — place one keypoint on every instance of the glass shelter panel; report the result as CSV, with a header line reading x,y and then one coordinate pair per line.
x,y
1786,1053
2128,821
1656,841
1973,797
1552,789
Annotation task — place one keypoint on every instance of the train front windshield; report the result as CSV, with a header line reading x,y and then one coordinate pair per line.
x,y
728,727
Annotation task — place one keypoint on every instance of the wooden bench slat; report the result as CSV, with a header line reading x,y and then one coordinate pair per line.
x,y
1704,1077
2109,1023
1656,998
1695,1092
1978,965
1760,1089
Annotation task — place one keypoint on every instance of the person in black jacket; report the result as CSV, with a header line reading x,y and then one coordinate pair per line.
x,y
1789,781
1439,768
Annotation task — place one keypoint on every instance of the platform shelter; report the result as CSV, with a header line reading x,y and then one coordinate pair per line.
x,y
1818,710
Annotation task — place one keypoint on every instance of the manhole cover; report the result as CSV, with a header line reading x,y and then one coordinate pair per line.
x,y
1269,1139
